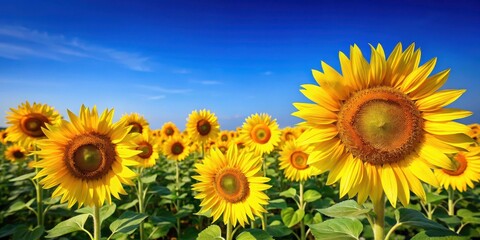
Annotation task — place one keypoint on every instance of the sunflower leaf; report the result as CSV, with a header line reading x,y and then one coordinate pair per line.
x,y
149,179
127,223
438,235
254,234
23,177
68,226
348,208
432,197
338,228
277,204
290,217
468,216
210,233
290,193
414,218
278,230
311,196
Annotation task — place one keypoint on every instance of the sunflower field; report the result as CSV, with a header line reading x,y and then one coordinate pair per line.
x,y
378,155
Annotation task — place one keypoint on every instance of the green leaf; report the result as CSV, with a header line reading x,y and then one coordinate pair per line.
x,y
278,230
311,196
438,235
338,228
8,230
106,211
210,233
254,234
68,226
128,205
26,233
160,190
161,230
414,218
290,193
468,216
349,208
149,179
19,205
127,223
277,204
23,177
290,217
433,198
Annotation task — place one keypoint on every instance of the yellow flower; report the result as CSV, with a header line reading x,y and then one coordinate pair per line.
x,y
15,153
138,123
230,185
261,133
149,147
87,158
466,172
3,136
169,129
293,161
176,148
202,126
474,132
27,120
224,136
381,126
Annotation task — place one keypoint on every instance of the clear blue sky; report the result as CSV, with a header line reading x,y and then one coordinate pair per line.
x,y
164,59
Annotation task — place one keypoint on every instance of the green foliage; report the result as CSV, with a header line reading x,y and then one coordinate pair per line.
x,y
210,233
127,223
338,228
254,234
348,208
291,217
70,225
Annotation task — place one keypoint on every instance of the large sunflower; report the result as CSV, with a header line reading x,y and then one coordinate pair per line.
x,y
27,120
149,146
138,122
261,133
230,184
293,161
382,124
87,158
467,171
202,126
176,148
15,153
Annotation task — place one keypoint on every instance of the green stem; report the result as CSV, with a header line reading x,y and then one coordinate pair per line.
x,y
39,193
177,189
451,205
141,201
379,223
96,223
392,230
429,206
229,231
302,206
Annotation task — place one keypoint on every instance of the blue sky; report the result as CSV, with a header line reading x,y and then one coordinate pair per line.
x,y
164,59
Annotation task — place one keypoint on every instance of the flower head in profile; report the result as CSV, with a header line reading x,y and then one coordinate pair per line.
x,y
381,126
466,172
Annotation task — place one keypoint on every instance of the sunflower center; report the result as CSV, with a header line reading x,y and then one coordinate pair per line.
x,y
299,160
232,185
169,131
204,127
223,149
380,125
136,127
177,148
32,124
289,136
146,149
261,133
18,154
89,156
461,163
224,138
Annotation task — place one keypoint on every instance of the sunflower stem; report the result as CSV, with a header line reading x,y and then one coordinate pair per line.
x,y
177,191
229,231
141,201
451,204
39,193
379,223
302,206
96,223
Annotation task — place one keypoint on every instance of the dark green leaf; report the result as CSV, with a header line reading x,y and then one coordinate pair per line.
x,y
290,217
277,204
128,205
149,179
254,234
68,226
290,193
160,230
127,223
210,233
311,196
278,230
349,208
338,228
414,218
468,216
26,233
160,190
23,177
9,229
433,198
438,235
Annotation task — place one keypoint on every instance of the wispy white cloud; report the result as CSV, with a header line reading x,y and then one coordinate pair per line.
x,y
206,82
163,90
19,42
157,97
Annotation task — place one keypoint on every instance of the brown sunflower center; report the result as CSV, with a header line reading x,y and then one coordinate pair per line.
x,y
177,148
204,127
18,154
380,125
299,160
136,127
223,149
169,131
32,124
89,156
232,185
146,148
261,133
224,138
289,136
461,163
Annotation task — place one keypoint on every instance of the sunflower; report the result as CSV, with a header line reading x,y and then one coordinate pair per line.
x,y
15,153
474,131
382,124
3,136
223,146
149,147
261,133
224,136
27,120
176,148
169,129
466,172
289,134
202,126
87,158
293,161
230,184
138,123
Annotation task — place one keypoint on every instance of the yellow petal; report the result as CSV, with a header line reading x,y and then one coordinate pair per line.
x,y
438,100
445,128
389,183
435,156
446,114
